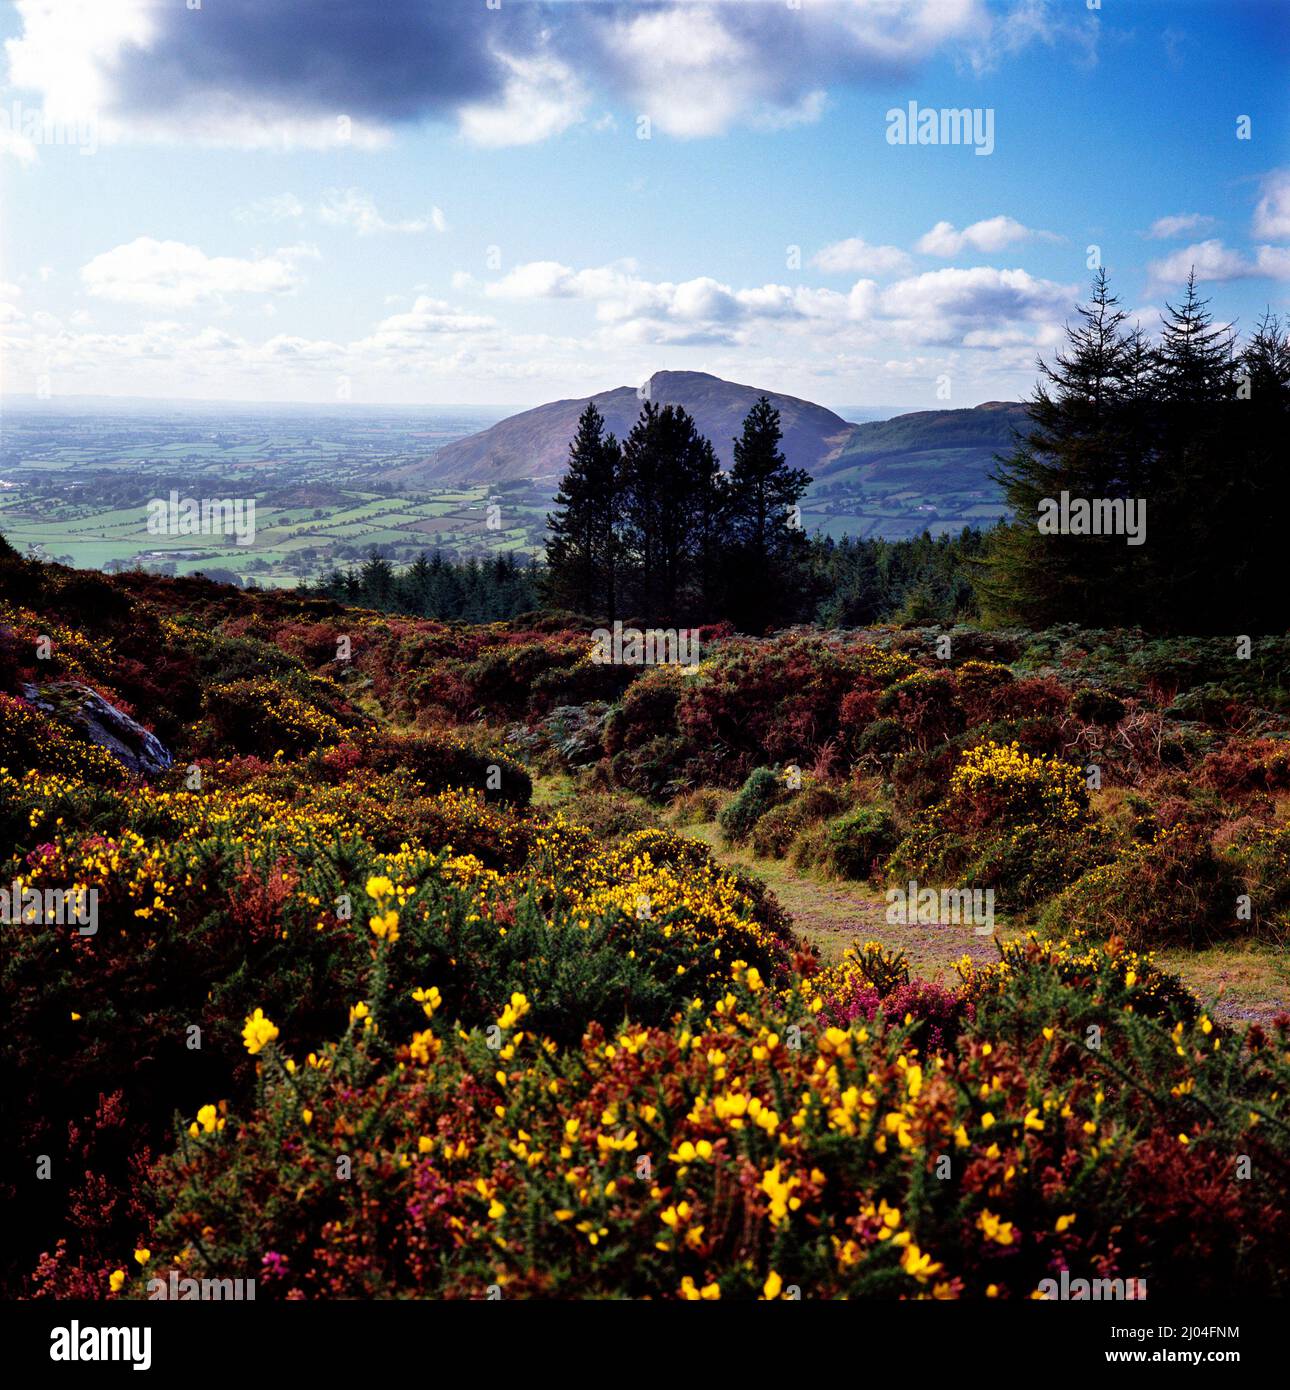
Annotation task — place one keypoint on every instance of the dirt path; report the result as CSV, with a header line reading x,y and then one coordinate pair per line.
x,y
834,915
1246,981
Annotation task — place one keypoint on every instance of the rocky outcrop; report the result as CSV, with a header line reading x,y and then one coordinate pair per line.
x,y
102,723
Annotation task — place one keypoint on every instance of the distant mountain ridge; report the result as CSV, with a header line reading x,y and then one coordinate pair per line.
x,y
535,443
928,469
989,425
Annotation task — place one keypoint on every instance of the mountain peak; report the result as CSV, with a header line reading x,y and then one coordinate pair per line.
x,y
535,443
668,377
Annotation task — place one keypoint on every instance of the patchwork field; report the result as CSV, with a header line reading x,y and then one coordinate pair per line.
x,y
76,488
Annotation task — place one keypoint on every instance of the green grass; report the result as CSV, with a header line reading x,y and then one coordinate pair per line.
x,y
1243,981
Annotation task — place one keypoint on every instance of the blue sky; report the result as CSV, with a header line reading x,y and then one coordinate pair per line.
x,y
447,203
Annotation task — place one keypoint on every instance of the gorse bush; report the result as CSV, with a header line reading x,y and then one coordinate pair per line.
x,y
856,843
1010,821
763,789
242,894
710,1159
775,830
1177,888
445,759
567,1052
266,717
994,783
31,742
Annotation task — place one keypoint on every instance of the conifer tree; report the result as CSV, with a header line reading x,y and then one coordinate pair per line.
x,y
1196,363
668,482
581,551
1190,430
768,545
1077,444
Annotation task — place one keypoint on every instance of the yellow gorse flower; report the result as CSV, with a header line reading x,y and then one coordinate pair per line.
x,y
258,1032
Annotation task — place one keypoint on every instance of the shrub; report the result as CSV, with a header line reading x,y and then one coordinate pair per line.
x,y
855,843
937,1015
983,689
263,716
443,1203
1024,864
866,967
1095,706
763,789
995,784
656,768
647,710
775,831
1032,976
503,679
576,732
919,779
445,760
1210,703
925,707
698,807
1242,766
663,846
30,741
1261,858
1010,821
1173,889
448,1197
880,742
609,815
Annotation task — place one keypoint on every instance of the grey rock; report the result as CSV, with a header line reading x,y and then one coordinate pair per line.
x,y
102,723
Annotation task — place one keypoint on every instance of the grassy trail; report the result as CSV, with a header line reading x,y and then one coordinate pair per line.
x,y
833,915
1249,981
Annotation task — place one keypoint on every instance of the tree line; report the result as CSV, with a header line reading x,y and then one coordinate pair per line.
x,y
849,583
924,580
473,591
1188,427
654,530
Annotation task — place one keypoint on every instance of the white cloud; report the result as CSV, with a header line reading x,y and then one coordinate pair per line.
x,y
945,305
1033,21
855,256
350,207
1273,261
174,275
75,54
1165,227
1213,261
690,72
277,75
981,325
427,319
1272,212
552,280
540,98
992,234
67,51
291,350
703,304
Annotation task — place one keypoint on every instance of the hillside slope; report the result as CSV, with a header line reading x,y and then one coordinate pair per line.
x,y
535,443
929,469
926,470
